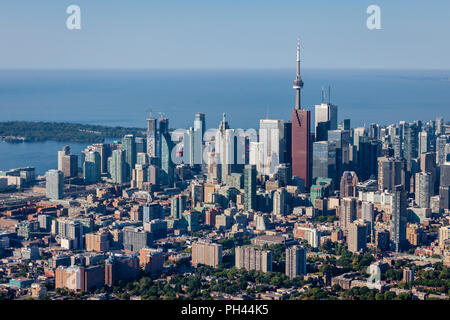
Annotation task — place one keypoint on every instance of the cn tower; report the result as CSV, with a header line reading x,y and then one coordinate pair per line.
x,y
301,136
298,83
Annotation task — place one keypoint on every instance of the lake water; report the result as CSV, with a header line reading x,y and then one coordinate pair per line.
x,y
42,155
126,97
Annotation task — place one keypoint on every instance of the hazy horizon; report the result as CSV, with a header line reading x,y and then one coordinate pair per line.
x,y
226,69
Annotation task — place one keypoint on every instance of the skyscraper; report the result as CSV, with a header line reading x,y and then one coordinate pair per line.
x,y
193,142
271,135
117,170
233,152
347,213
348,184
439,126
424,189
189,147
199,123
441,143
67,163
428,164
54,185
301,133
344,125
151,137
129,146
410,144
70,165
141,145
397,146
322,129
287,152
424,140
368,152
284,174
326,112
356,239
92,167
391,172
280,202
295,261
342,140
257,156
167,165
177,206
104,150
368,215
220,148
65,151
250,187
324,160
139,176
399,217
444,187
142,158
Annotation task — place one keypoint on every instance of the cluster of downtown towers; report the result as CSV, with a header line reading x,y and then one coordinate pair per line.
x,y
405,158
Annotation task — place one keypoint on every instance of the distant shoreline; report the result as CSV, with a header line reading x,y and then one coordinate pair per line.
x,y
30,131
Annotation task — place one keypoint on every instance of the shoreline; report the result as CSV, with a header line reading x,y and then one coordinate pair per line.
x,y
38,131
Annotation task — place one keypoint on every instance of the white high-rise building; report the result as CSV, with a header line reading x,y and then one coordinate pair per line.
x,y
230,150
257,155
271,134
151,137
357,133
199,123
367,211
347,213
423,142
54,185
367,215
279,202
326,112
424,189
312,235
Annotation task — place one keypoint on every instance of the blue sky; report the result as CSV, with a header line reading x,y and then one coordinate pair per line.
x,y
197,34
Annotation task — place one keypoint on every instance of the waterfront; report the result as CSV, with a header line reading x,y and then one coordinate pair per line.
x,y
42,155
124,98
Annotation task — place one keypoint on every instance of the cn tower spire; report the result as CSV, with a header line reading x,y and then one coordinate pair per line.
x,y
298,83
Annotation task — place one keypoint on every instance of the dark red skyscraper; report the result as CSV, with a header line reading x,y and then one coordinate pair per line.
x,y
301,140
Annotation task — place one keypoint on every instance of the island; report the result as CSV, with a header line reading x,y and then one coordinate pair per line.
x,y
27,131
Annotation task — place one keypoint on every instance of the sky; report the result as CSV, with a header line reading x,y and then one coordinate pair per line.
x,y
227,34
